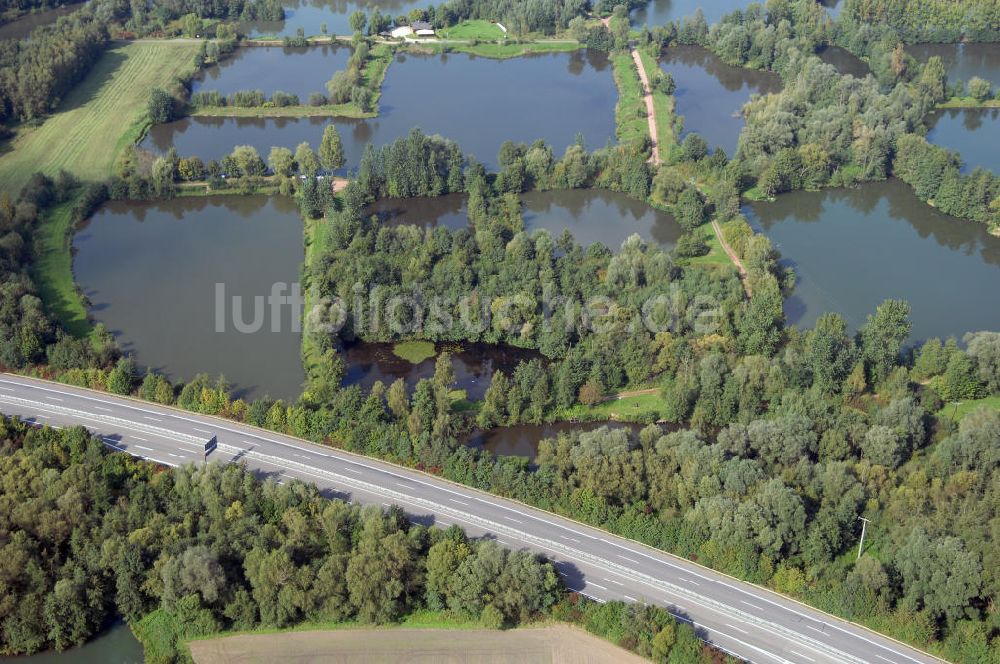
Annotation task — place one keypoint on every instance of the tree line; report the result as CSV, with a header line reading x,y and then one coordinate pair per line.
x,y
37,73
88,534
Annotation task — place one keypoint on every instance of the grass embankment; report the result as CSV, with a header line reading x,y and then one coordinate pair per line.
x,y
105,112
969,102
630,113
716,256
53,270
506,50
314,239
348,110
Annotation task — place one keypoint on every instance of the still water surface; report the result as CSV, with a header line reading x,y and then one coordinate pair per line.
x,y
710,94
117,645
270,69
853,248
150,272
973,133
310,15
963,61
478,102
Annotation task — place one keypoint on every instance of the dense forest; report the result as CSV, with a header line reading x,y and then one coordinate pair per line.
x,y
87,534
930,20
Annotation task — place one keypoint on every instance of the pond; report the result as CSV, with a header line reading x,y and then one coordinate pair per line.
x,y
853,248
591,215
973,133
476,101
270,69
117,645
21,27
151,273
962,61
522,439
710,94
310,15
473,364
658,12
845,61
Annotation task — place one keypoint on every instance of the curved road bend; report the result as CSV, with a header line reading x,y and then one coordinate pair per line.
x,y
750,622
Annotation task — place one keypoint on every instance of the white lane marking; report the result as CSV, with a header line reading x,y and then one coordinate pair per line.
x,y
112,442
201,430
759,608
630,598
173,455
405,486
570,539
663,559
510,518
107,410
155,419
612,581
141,438
143,447
631,560
52,398
746,645
460,502
818,629
683,580
885,658
736,628
6,389
798,654
596,585
353,470
44,417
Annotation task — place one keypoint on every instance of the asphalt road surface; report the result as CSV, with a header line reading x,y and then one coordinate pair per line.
x,y
745,620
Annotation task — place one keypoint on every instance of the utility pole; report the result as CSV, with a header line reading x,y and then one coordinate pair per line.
x,y
861,546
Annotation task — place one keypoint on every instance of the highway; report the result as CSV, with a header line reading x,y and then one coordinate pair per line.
x,y
750,622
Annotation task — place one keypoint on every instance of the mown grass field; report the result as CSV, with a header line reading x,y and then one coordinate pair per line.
x,y
99,117
957,411
475,29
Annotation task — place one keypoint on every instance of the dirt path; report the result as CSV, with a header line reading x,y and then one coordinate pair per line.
x,y
635,393
647,97
733,257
